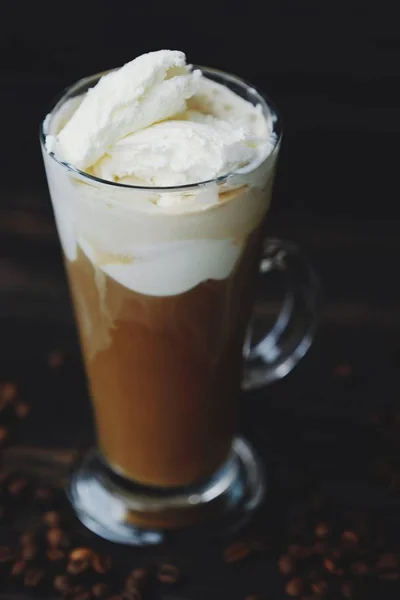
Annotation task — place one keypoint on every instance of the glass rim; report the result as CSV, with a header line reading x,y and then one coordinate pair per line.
x,y
61,98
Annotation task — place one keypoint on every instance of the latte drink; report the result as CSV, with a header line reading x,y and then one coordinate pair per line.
x,y
160,179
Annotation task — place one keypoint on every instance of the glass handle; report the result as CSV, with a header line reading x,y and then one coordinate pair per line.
x,y
271,356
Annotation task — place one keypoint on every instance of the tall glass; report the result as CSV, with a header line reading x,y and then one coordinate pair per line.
x,y
163,299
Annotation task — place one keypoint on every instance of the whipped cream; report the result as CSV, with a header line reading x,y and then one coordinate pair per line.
x,y
156,122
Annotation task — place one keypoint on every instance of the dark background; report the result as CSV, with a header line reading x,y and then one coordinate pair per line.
x,y
332,67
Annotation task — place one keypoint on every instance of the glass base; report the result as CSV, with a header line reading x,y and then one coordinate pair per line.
x,y
127,513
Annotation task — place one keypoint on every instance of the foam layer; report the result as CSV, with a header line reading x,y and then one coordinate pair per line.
x,y
160,242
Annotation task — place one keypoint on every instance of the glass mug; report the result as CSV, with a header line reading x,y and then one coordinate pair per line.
x,y
163,302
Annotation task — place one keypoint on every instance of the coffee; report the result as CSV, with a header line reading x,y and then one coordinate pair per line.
x,y
164,372
162,267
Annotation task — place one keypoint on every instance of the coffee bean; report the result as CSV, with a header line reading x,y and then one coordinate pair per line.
x,y
62,583
29,552
34,578
286,564
322,530
56,538
99,590
79,560
52,519
101,564
28,538
22,409
18,568
350,538
54,555
236,552
18,487
168,574
3,434
8,392
138,578
331,566
294,587
319,587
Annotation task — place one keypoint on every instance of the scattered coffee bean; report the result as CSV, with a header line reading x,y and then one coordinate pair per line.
x,y
99,590
167,573
294,587
331,567
286,564
3,434
62,583
56,538
29,552
350,536
79,561
322,530
101,564
138,578
236,552
28,538
18,568
319,587
55,555
18,487
34,578
8,392
52,519
22,409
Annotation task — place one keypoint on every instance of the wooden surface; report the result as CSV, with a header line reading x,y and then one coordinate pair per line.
x,y
313,426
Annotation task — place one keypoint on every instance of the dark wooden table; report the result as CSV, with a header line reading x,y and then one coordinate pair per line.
x,y
324,427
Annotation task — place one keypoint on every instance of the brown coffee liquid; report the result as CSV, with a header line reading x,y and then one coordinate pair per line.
x,y
164,372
